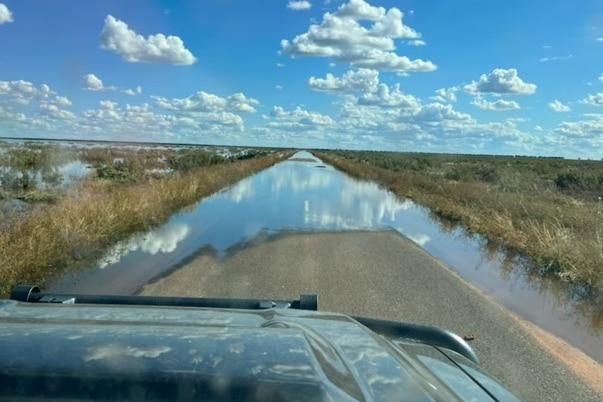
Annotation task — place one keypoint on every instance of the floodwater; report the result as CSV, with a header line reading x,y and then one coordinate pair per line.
x,y
303,194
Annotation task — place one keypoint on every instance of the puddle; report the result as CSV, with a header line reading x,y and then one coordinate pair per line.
x,y
302,194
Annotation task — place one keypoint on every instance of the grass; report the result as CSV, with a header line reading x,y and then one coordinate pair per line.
x,y
94,214
513,207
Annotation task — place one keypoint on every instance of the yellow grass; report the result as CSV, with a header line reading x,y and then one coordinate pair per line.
x,y
562,235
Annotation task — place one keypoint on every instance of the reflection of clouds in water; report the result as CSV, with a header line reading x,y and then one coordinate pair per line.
x,y
354,205
420,239
243,190
164,240
361,205
298,177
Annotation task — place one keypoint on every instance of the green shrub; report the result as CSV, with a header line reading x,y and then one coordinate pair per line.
x,y
190,158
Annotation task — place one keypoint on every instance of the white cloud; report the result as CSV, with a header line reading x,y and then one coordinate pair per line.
x,y
601,78
417,42
591,128
205,102
555,58
341,37
5,14
386,97
278,87
444,95
133,92
132,47
92,83
23,92
360,80
299,5
594,100
297,120
434,112
499,105
557,106
501,81
61,101
132,120
53,111
599,39
280,65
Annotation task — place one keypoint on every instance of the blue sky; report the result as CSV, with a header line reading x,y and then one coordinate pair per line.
x,y
469,76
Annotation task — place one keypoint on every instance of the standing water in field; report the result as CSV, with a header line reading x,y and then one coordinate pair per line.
x,y
303,194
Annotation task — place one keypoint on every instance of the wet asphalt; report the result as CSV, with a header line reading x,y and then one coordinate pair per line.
x,y
383,275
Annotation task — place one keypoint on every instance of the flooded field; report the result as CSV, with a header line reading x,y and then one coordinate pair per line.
x,y
305,195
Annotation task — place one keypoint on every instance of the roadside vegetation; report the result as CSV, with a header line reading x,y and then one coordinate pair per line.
x,y
546,209
131,190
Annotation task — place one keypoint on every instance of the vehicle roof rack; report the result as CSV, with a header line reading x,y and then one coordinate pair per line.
x,y
32,294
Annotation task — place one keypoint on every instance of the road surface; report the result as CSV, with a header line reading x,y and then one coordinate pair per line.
x,y
385,275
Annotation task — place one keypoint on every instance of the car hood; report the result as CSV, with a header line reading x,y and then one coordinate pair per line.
x,y
169,353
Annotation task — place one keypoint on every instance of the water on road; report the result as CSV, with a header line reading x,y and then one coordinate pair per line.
x,y
303,194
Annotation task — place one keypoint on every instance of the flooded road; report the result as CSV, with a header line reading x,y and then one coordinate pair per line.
x,y
304,195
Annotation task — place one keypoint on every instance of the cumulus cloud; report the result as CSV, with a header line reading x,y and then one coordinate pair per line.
x,y
444,95
132,47
342,37
435,112
299,5
501,81
133,92
386,97
131,120
594,100
205,102
5,14
61,101
92,83
499,105
601,78
297,119
557,106
591,127
53,111
23,92
360,80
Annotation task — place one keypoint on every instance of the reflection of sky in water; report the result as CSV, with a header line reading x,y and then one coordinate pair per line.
x,y
164,239
68,173
290,196
298,196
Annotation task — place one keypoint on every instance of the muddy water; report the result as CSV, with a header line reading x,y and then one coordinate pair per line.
x,y
303,194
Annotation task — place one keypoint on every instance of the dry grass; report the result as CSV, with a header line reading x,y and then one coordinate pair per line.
x,y
95,214
563,236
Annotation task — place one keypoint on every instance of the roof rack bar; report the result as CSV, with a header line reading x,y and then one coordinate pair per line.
x,y
32,294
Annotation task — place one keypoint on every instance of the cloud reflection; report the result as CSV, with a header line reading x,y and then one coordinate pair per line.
x,y
164,239
320,198
420,239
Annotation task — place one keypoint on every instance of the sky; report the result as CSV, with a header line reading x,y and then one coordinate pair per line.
x,y
519,77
